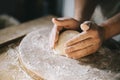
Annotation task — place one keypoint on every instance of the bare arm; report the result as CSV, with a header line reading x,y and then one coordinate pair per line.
x,y
84,9
90,41
112,26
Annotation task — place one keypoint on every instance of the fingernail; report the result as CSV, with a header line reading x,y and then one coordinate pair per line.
x,y
53,20
84,27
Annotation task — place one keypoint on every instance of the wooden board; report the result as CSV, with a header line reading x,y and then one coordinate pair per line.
x,y
39,60
14,32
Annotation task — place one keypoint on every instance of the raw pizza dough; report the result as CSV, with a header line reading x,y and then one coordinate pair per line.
x,y
39,60
64,37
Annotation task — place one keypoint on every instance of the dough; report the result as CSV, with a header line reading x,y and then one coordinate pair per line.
x,y
64,37
41,62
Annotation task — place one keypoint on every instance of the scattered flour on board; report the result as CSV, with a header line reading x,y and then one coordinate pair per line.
x,y
37,56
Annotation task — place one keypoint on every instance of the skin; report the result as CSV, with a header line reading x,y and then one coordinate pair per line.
x,y
90,40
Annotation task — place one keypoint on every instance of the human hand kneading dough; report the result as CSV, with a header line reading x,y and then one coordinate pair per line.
x,y
89,40
82,44
86,42
59,25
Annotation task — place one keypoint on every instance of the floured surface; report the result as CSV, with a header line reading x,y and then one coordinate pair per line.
x,y
9,67
36,56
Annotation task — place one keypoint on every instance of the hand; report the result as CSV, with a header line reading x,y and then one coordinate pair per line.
x,y
86,42
59,24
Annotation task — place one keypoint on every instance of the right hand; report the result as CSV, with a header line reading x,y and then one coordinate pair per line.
x,y
59,24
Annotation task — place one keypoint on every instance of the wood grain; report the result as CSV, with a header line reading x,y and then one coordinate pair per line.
x,y
15,32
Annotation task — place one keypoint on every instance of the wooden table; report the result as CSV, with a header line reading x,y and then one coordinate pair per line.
x,y
15,32
11,37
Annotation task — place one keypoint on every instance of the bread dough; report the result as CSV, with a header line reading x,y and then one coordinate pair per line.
x,y
41,62
64,37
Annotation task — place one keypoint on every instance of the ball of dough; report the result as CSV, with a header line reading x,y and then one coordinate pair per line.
x,y
64,37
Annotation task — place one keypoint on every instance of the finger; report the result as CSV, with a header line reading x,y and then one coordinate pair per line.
x,y
64,21
54,37
84,52
80,45
88,25
78,38
58,22
85,26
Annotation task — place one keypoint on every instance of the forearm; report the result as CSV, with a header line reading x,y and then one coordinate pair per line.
x,y
84,9
111,26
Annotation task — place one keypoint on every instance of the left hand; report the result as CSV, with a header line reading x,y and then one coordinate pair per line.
x,y
59,25
85,43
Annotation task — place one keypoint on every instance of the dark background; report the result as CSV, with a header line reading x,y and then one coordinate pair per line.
x,y
25,10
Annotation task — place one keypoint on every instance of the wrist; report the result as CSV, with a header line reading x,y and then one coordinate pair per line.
x,y
106,33
102,33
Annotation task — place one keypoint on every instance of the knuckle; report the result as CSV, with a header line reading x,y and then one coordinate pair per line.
x,y
83,43
95,34
98,41
93,49
68,50
74,57
97,47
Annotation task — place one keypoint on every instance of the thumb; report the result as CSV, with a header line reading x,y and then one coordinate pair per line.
x,y
58,22
86,25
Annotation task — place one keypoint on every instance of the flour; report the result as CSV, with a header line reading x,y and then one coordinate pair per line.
x,y
10,68
36,56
